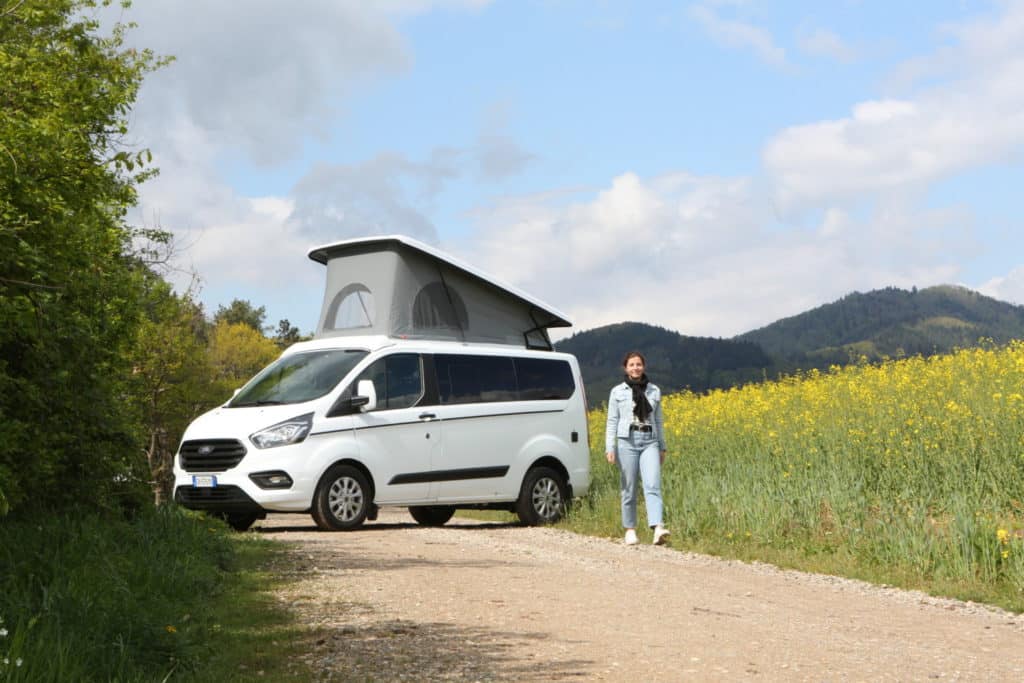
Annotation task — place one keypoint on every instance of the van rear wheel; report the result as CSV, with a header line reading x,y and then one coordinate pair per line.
x,y
542,500
342,499
431,515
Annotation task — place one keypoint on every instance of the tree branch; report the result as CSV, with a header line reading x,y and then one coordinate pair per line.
x,y
30,284
12,9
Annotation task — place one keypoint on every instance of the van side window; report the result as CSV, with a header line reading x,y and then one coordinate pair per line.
x,y
488,379
398,380
475,379
542,378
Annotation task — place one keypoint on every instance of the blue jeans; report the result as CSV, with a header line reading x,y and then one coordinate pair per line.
x,y
639,454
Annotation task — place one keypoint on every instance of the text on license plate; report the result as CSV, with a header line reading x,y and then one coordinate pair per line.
x,y
204,481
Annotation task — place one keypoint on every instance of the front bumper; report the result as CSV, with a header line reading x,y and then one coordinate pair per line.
x,y
227,499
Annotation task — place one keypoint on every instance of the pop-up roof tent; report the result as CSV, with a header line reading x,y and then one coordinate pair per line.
x,y
399,287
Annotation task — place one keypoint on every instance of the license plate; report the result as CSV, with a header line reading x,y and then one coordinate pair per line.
x,y
205,481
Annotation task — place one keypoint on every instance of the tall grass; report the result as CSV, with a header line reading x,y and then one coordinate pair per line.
x,y
909,472
167,596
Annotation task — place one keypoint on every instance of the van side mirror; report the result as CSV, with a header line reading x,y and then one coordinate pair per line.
x,y
366,396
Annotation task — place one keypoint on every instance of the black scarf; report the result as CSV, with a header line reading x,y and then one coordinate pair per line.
x,y
641,406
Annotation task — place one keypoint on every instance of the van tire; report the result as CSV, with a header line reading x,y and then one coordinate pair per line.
x,y
542,500
342,499
431,515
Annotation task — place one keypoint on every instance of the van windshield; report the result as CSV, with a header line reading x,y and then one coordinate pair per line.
x,y
297,378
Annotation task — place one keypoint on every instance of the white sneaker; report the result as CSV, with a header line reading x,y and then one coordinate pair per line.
x,y
631,538
661,535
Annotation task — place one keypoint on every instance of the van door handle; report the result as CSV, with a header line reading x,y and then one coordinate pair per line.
x,y
428,416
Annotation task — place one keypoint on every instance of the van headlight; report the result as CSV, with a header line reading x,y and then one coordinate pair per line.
x,y
284,433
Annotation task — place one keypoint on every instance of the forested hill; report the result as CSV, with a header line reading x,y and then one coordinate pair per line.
x,y
676,362
889,322
883,323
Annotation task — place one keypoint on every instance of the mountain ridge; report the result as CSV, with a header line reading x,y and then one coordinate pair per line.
x,y
882,323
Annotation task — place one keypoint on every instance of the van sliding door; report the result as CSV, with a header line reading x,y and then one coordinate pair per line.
x,y
482,432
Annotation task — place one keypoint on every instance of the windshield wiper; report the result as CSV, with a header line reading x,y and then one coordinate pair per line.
x,y
262,402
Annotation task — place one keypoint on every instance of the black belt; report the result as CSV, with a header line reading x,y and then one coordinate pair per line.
x,y
641,428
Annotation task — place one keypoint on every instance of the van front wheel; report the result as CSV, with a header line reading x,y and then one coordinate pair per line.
x,y
342,499
241,522
542,499
431,515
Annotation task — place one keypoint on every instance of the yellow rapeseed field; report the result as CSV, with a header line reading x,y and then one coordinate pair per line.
x,y
912,464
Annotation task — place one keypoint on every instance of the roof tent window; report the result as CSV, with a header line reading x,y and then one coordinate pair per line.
x,y
437,306
352,307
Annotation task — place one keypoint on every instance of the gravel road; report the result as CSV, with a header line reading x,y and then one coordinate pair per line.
x,y
476,601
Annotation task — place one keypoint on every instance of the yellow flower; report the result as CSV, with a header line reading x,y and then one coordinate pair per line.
x,y
1003,535
171,629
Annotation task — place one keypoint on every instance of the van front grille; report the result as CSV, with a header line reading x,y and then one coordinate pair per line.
x,y
211,455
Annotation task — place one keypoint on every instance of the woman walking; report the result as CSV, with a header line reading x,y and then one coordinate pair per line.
x,y
635,438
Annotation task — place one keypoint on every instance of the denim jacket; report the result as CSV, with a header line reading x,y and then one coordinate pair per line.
x,y
620,415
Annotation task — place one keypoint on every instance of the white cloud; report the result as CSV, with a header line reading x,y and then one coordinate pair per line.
x,y
500,156
1009,287
822,42
265,76
702,255
262,78
694,254
252,84
220,235
739,34
972,114
384,195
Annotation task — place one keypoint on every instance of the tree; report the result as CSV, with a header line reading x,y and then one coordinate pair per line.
x,y
242,312
171,379
286,334
236,353
69,289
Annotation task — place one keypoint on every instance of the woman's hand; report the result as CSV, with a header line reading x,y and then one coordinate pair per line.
x,y
663,454
610,457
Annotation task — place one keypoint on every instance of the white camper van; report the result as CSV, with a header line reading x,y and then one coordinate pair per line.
x,y
427,385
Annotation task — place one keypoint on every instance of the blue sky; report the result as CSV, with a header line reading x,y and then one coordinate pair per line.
x,y
706,166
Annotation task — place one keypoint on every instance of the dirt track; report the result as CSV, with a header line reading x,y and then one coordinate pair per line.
x,y
480,601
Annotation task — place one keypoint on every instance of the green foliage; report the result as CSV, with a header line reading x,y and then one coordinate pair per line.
x,y
241,312
181,367
286,334
236,353
171,378
168,596
68,292
675,362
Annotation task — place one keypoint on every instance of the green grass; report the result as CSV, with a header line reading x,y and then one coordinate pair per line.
x,y
169,595
695,515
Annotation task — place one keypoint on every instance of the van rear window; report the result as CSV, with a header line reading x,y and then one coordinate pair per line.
x,y
542,378
488,379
